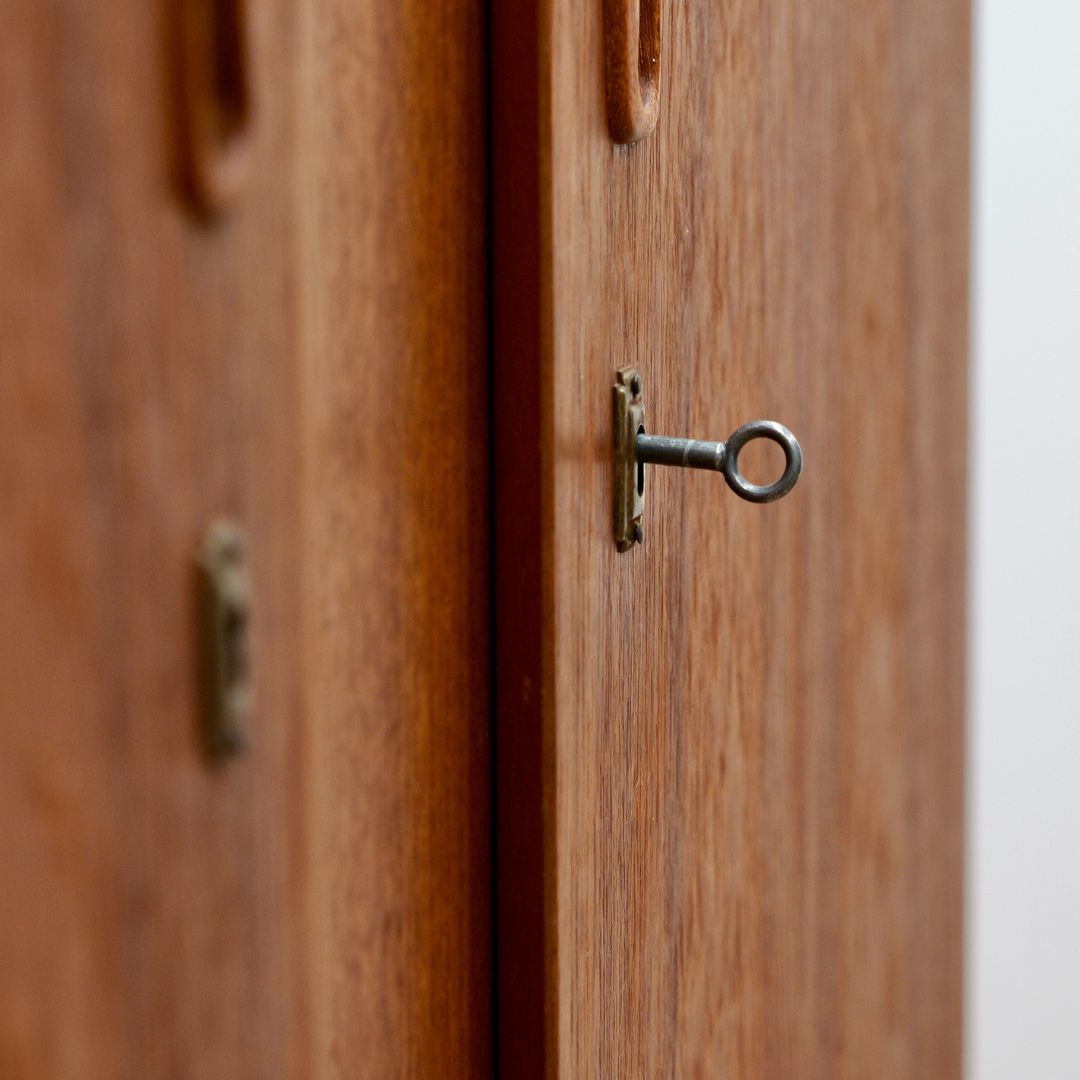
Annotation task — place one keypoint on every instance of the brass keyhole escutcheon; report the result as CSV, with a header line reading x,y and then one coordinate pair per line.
x,y
226,615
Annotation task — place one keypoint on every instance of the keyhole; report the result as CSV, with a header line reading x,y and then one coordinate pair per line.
x,y
641,467
234,658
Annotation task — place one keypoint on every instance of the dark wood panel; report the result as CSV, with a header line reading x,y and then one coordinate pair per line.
x,y
745,763
313,365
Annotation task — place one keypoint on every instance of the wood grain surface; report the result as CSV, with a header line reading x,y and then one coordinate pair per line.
x,y
314,366
397,515
730,763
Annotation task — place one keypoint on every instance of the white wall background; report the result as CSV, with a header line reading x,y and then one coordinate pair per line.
x,y
1023,943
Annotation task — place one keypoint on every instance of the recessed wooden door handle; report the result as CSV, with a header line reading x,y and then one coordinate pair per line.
x,y
632,59
217,105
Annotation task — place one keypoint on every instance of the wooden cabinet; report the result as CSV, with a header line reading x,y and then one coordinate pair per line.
x,y
512,801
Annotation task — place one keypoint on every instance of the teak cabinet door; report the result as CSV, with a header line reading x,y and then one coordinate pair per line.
x,y
729,761
289,331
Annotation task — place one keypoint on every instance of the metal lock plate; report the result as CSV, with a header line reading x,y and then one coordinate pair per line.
x,y
629,478
226,639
